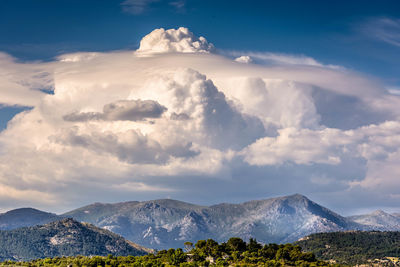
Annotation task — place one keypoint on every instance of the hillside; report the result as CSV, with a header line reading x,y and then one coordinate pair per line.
x,y
25,217
166,223
353,247
63,238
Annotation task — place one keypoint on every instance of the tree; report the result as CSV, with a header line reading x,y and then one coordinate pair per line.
x,y
236,244
200,244
253,246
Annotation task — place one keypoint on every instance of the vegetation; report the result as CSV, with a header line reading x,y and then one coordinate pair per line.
x,y
353,247
235,252
66,237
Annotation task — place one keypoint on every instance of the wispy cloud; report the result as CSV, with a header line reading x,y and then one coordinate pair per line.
x,y
179,5
137,7
276,59
384,29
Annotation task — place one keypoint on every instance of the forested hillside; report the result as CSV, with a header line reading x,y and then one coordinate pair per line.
x,y
353,247
63,238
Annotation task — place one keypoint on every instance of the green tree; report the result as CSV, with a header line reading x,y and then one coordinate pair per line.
x,y
236,244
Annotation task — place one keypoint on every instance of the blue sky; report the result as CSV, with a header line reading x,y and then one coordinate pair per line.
x,y
330,31
314,110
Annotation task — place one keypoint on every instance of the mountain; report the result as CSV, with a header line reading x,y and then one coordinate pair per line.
x,y
169,223
25,217
378,220
66,237
354,247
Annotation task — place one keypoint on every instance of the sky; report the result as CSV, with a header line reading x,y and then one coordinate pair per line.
x,y
201,101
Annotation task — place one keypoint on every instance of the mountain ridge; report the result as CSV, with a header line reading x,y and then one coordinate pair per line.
x,y
168,223
165,223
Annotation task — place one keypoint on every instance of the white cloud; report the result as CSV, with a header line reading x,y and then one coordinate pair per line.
x,y
174,40
20,83
394,90
278,59
174,122
137,186
299,146
244,59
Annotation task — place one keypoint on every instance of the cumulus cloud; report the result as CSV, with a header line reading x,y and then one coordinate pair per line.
x,y
174,40
207,121
130,146
322,146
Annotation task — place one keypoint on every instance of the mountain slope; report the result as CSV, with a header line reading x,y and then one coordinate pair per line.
x,y
63,238
25,217
169,223
378,220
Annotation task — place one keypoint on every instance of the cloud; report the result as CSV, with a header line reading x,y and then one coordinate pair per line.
x,y
244,59
278,59
137,186
383,29
136,7
124,110
321,146
179,5
130,146
394,90
20,83
174,119
179,40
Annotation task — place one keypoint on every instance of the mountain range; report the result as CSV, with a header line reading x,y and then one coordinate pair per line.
x,y
65,237
379,220
165,223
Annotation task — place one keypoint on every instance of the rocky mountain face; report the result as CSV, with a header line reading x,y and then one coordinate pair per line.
x,y
169,223
66,237
378,220
26,217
